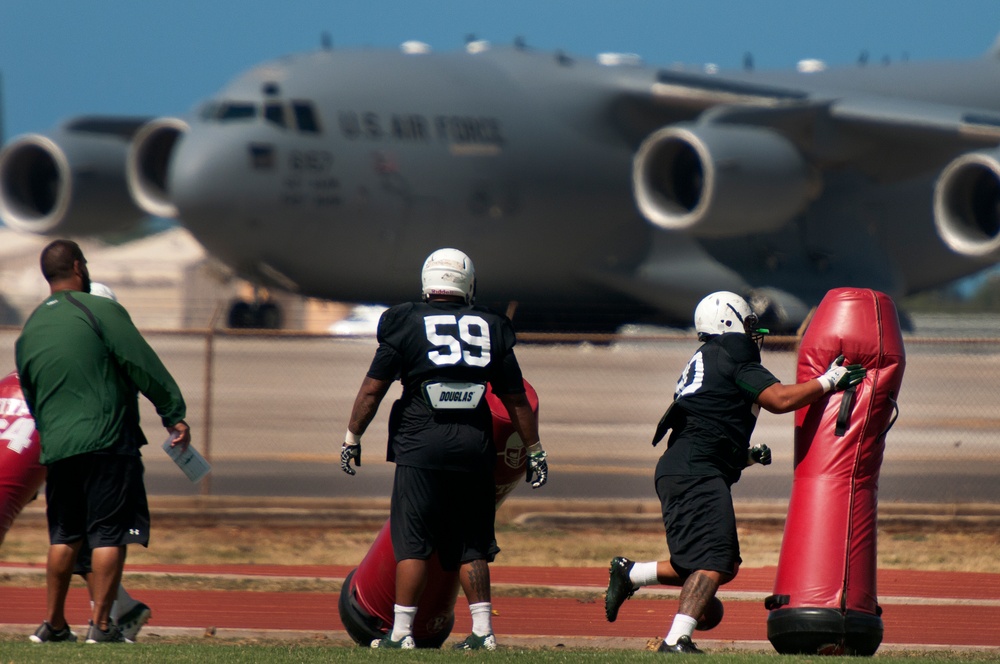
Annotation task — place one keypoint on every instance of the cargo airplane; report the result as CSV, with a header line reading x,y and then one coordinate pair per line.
x,y
589,192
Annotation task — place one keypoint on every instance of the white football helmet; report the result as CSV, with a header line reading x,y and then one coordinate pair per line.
x,y
102,290
448,272
723,312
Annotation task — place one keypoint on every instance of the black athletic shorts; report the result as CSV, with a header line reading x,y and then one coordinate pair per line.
x,y
700,523
447,512
97,497
84,563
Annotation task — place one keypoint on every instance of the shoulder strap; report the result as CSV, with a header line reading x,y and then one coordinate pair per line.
x,y
90,314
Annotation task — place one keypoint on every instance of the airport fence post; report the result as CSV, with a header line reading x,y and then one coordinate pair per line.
x,y
206,483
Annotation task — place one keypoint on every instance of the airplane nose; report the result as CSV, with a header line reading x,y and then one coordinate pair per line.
x,y
197,172
212,174
226,189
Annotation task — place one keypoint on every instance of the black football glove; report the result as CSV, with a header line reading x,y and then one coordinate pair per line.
x,y
348,452
759,454
539,468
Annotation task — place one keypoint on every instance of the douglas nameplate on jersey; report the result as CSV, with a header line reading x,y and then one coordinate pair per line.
x,y
464,396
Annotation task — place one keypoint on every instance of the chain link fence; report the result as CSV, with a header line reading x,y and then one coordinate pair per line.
x,y
270,410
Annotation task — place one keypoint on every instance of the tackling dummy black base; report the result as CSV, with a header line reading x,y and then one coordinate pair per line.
x,y
818,631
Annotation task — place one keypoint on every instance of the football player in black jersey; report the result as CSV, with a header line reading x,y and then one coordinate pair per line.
x,y
715,407
444,350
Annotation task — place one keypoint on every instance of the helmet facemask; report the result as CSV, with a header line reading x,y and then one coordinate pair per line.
x,y
751,325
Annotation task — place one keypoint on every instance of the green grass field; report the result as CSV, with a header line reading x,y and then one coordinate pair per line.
x,y
16,649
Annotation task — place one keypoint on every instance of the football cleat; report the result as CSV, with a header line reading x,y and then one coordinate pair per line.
x,y
620,586
386,643
683,647
475,642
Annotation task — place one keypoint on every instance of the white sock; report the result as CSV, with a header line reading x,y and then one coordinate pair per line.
x,y
402,623
643,574
683,626
482,618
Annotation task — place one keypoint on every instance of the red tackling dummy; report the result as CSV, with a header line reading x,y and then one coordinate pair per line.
x,y
368,594
825,598
21,476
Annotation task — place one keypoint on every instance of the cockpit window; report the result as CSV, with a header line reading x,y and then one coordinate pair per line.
x,y
305,117
274,112
299,115
236,111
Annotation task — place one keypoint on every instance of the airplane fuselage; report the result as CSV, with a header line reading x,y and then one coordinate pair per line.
x,y
412,153
523,160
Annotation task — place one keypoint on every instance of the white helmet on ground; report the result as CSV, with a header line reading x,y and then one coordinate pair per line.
x,y
448,272
102,290
723,312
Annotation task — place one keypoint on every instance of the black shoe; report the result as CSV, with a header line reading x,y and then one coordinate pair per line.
x,y
45,634
683,646
475,642
97,635
620,586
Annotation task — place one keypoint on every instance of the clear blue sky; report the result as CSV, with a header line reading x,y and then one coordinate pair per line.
x,y
61,58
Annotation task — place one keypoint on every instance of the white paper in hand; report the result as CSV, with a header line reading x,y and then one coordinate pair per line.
x,y
191,461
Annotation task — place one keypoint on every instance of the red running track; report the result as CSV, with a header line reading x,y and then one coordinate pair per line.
x,y
919,608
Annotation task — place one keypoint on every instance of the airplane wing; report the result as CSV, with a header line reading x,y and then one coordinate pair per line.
x,y
703,91
831,128
886,114
746,141
899,119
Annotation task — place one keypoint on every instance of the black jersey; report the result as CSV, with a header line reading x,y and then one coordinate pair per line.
x,y
716,395
444,353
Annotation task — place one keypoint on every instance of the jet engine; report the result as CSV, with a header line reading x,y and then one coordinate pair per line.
x,y
72,182
149,163
719,181
967,204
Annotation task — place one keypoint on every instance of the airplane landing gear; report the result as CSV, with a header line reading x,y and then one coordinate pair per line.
x,y
255,315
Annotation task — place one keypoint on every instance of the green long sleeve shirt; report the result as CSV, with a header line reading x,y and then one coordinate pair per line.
x,y
81,376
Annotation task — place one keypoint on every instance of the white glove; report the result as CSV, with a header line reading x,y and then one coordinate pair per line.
x,y
351,450
537,468
839,377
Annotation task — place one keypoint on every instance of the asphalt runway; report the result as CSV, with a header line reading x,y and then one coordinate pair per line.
x,y
273,421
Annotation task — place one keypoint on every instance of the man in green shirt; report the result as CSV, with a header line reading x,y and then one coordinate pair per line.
x,y
82,363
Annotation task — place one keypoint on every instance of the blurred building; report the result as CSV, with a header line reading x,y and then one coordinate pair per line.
x,y
166,281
